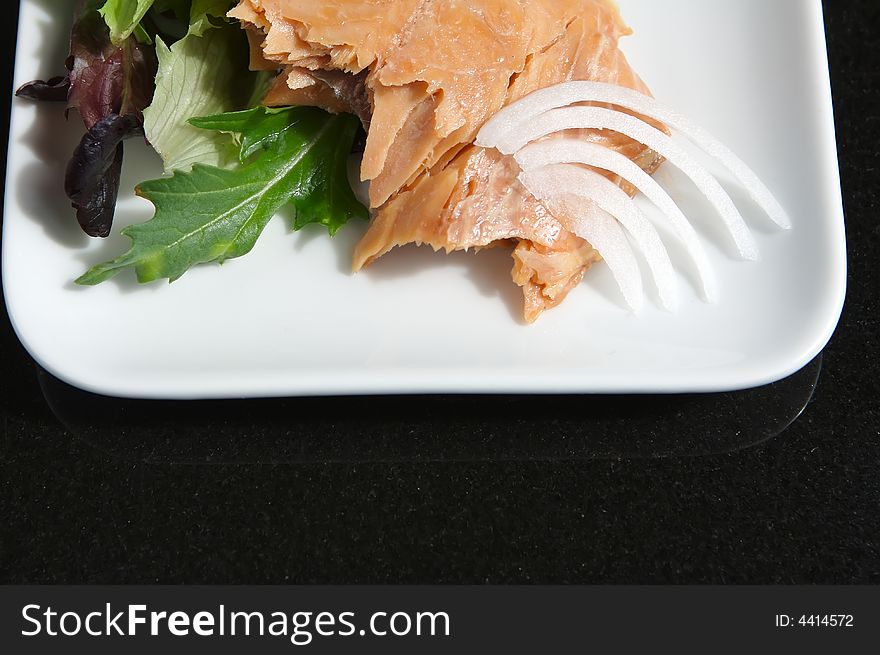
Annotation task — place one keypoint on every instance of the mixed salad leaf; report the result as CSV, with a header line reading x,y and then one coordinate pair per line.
x,y
296,155
106,84
201,74
92,178
105,78
123,17
176,72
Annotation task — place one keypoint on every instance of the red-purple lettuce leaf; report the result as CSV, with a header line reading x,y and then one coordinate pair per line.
x,y
55,89
109,86
92,178
107,79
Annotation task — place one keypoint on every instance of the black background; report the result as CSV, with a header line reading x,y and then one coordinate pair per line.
x,y
209,493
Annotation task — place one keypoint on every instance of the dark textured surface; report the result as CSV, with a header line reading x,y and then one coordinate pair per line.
x,y
209,494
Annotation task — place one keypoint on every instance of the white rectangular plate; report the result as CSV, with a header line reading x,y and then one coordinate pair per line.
x,y
290,319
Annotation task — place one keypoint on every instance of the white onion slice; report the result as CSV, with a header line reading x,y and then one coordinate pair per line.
x,y
557,120
562,151
586,220
561,179
521,113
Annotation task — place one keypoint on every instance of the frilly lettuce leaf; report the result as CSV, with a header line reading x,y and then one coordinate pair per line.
x,y
198,75
203,73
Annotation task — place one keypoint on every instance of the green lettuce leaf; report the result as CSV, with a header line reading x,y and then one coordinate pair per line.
x,y
198,75
123,17
201,13
294,156
203,73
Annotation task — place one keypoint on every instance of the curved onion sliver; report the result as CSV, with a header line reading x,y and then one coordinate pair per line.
x,y
514,117
558,120
560,179
561,151
586,220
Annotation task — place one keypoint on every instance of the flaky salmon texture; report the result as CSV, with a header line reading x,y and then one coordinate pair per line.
x,y
424,76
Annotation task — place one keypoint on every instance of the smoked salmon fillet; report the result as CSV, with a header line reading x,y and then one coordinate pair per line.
x,y
424,76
